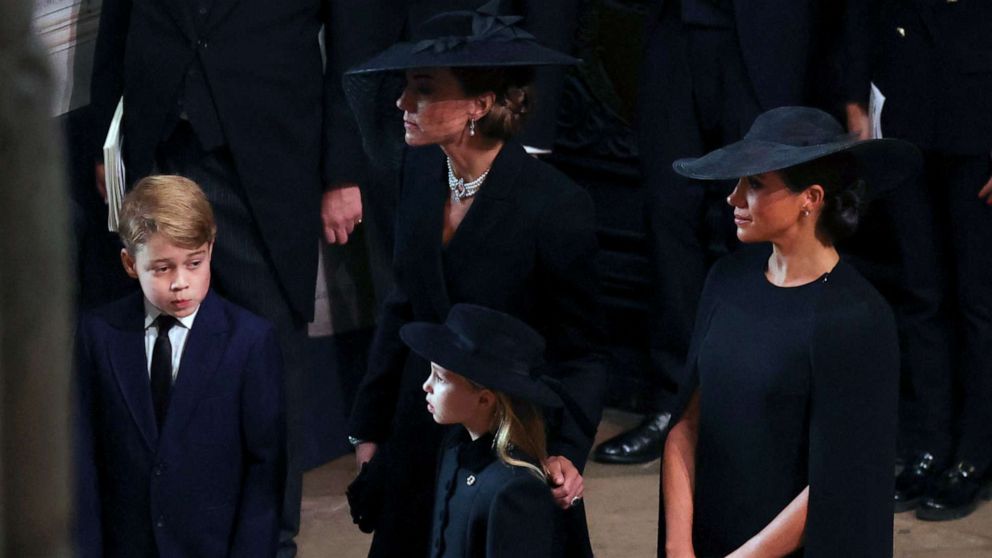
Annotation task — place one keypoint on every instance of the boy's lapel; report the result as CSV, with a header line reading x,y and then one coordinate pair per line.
x,y
130,366
204,348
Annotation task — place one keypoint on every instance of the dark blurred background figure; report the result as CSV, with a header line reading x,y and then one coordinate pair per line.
x,y
710,67
36,314
932,61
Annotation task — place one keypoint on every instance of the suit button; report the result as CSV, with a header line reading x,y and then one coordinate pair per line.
x,y
901,31
202,10
160,522
157,471
470,480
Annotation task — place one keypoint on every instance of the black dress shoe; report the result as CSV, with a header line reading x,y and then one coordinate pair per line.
x,y
638,445
954,494
912,482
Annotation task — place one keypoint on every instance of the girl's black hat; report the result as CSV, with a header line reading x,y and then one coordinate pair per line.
x,y
787,136
480,38
493,349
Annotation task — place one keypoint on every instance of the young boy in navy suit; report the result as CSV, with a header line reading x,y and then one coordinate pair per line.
x,y
181,445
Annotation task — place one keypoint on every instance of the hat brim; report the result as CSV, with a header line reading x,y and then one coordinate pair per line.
x,y
437,343
885,163
405,55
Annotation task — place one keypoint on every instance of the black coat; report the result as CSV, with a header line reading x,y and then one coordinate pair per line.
x,y
526,247
933,62
488,509
262,62
211,483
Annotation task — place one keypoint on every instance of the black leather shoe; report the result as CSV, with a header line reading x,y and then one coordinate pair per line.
x,y
912,482
954,494
638,445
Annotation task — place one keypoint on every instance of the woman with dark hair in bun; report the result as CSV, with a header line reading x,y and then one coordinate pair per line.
x,y
479,221
784,436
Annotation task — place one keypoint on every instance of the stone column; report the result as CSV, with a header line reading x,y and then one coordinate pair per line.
x,y
36,317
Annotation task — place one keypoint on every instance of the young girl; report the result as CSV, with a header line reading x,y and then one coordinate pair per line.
x,y
492,497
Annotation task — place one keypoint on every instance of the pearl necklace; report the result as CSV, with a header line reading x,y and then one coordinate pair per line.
x,y
460,189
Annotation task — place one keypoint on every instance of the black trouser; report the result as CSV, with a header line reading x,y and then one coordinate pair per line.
x,y
964,223
695,97
243,272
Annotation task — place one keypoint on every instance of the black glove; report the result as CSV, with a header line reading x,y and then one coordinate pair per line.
x,y
365,497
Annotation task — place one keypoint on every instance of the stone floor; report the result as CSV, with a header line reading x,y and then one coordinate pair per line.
x,y
622,502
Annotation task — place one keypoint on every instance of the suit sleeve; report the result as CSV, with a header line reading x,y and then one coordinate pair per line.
x,y
554,23
352,34
857,50
854,392
88,527
264,439
378,394
107,80
570,295
521,521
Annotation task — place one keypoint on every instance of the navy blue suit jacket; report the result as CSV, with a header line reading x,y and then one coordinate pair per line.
x,y
211,483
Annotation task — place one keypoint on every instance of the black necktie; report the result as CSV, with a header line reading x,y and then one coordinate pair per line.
x,y
162,368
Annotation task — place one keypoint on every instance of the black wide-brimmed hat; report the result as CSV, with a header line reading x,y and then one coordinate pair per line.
x,y
483,38
490,348
787,136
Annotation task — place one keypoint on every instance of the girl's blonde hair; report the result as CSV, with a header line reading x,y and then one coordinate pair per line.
x,y
519,424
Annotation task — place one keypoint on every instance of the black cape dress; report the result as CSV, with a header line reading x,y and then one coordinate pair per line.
x,y
797,386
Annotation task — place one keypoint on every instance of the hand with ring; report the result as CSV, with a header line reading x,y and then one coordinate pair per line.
x,y
566,482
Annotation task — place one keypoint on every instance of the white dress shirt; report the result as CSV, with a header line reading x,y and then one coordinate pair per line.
x,y
177,336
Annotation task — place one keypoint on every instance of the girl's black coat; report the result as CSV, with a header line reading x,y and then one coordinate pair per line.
x,y
487,509
526,247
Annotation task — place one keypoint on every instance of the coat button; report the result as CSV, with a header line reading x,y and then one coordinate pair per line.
x,y
470,480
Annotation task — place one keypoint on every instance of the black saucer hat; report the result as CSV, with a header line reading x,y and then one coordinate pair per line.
x,y
480,38
490,348
787,136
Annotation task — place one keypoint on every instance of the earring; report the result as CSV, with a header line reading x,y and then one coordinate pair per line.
x,y
471,127
805,212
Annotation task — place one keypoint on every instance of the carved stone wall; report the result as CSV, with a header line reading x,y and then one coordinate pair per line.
x,y
67,29
35,310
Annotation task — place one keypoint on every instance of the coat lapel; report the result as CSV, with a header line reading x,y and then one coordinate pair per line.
x,y
201,356
130,366
428,193
494,205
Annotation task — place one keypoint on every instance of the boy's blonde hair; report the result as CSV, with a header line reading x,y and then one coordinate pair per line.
x,y
170,205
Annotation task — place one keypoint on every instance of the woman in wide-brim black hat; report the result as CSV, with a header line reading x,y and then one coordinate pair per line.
x,y
785,430
478,221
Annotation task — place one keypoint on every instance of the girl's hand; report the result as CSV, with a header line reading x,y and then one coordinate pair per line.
x,y
566,481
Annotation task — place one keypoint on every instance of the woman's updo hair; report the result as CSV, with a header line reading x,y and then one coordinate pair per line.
x,y
514,97
844,191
